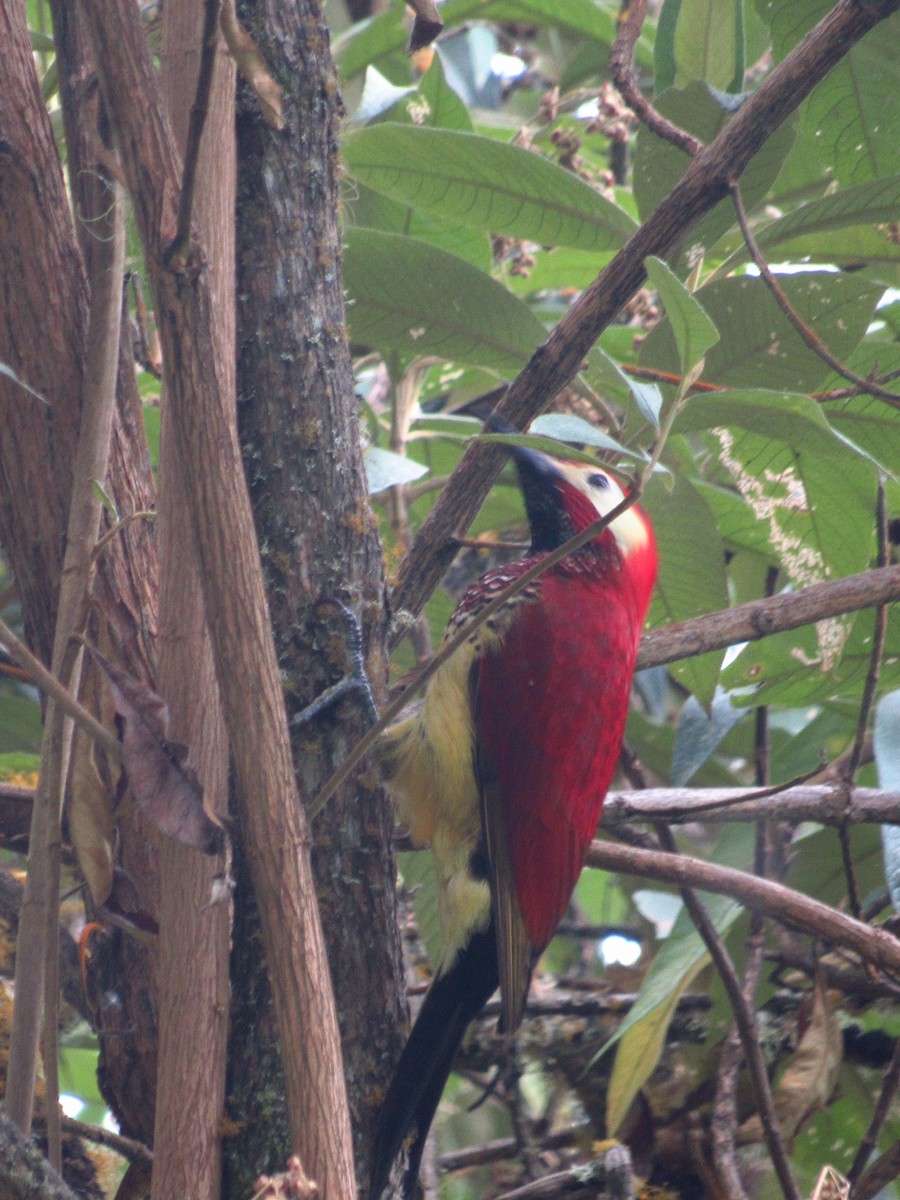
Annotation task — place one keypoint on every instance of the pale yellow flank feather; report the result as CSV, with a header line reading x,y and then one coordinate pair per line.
x,y
430,775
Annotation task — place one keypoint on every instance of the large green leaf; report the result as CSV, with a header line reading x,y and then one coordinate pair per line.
x,y
854,112
408,296
658,165
370,210
700,39
812,490
489,185
641,1036
691,571
759,346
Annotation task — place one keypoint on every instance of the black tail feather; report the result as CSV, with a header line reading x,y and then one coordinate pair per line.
x,y
453,1000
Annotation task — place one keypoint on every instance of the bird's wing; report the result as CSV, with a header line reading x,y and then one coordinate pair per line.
x,y
515,953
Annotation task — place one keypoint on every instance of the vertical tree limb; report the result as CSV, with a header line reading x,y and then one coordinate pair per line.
x,y
194,934
271,815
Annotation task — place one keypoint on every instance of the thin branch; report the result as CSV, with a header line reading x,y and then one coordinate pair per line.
x,y
745,1020
873,945
52,688
825,804
889,1087
502,1148
37,954
760,618
850,767
621,66
879,1175
812,340
199,110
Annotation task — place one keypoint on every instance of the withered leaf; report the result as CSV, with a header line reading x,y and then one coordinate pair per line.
x,y
811,1075
164,788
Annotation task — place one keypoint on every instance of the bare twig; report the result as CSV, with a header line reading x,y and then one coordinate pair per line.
x,y
501,1148
199,109
52,688
873,945
36,984
745,1021
879,1175
621,66
815,343
825,804
889,1087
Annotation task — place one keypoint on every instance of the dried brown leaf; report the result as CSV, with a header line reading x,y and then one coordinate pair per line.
x,y
810,1077
89,813
164,788
252,66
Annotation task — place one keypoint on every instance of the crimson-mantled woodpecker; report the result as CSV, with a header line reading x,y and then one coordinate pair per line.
x,y
504,769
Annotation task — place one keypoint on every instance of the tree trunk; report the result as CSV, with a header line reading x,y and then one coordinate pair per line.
x,y
301,443
194,934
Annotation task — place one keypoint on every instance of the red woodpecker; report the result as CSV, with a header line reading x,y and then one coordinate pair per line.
x,y
504,769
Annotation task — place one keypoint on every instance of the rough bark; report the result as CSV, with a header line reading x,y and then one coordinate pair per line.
x,y
194,935
272,821
301,443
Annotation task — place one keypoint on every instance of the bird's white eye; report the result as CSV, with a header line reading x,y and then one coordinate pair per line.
x,y
598,480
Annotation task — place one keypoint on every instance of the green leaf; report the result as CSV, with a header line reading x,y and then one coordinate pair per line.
x,y
608,378
693,330
386,469
878,200
855,111
818,664
658,165
411,297
700,39
567,428
372,211
812,490
691,572
488,185
699,734
642,1034
758,345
